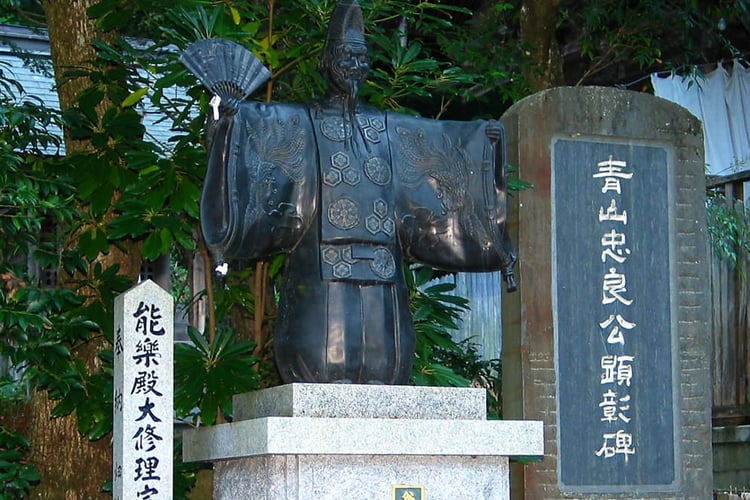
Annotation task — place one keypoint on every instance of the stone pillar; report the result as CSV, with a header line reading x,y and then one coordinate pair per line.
x,y
143,393
330,441
607,340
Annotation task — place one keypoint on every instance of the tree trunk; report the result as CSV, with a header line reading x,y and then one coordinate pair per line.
x,y
538,19
71,34
71,466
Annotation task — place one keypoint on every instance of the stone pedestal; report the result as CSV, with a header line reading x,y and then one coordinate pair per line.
x,y
312,441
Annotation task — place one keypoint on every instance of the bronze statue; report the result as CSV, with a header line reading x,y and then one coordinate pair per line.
x,y
349,193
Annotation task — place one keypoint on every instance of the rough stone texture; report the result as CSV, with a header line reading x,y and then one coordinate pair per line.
x,y
344,456
362,401
361,436
360,477
528,333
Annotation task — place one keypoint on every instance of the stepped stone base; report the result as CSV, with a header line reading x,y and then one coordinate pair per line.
x,y
321,441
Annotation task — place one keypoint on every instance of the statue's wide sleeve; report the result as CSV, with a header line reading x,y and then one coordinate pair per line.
x,y
451,193
259,193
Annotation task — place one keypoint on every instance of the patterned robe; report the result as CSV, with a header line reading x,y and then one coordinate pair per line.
x,y
349,203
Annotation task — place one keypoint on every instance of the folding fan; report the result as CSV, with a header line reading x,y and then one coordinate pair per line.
x,y
226,68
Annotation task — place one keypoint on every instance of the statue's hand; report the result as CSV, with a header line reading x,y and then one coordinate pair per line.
x,y
494,130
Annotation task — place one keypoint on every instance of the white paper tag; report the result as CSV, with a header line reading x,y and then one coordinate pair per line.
x,y
214,103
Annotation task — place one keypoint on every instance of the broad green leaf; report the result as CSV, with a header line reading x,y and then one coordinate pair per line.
x,y
135,97
153,246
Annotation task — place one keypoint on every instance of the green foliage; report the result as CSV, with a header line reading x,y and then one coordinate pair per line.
x,y
489,51
27,196
209,373
157,184
20,11
516,183
125,189
33,320
467,362
436,312
440,360
728,228
416,47
16,474
129,190
653,34
185,475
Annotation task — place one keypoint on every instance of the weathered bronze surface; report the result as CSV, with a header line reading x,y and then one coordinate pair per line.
x,y
350,193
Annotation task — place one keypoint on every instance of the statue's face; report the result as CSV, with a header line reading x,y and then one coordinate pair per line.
x,y
349,68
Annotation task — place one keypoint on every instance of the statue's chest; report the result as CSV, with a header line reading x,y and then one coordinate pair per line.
x,y
356,179
357,209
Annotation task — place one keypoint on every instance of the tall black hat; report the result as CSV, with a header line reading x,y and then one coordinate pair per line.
x,y
346,24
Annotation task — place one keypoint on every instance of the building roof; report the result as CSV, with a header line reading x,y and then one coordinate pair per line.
x,y
25,55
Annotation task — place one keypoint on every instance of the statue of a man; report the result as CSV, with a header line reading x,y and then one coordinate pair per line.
x,y
350,193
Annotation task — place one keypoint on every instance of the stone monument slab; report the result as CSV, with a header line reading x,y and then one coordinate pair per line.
x,y
606,342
